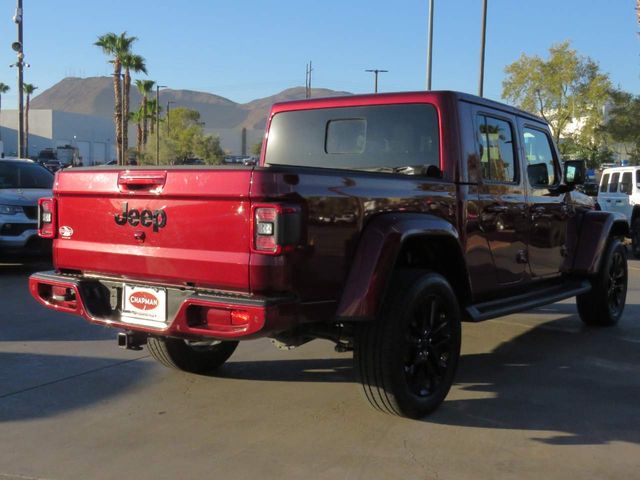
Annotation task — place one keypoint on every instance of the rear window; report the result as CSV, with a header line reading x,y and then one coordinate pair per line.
x,y
604,182
384,138
24,175
626,183
613,186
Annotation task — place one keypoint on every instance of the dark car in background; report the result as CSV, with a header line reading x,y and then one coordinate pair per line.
x,y
22,183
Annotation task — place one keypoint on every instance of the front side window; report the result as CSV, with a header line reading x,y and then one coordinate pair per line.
x,y
497,159
613,186
604,183
541,167
380,138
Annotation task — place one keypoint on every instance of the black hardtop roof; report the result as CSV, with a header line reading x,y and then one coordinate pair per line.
x,y
467,97
319,102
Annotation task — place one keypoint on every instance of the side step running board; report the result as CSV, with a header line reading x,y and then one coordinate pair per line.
x,y
526,301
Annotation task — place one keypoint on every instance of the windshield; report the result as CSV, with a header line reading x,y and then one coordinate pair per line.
x,y
24,175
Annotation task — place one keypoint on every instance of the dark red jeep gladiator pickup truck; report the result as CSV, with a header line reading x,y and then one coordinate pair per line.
x,y
378,222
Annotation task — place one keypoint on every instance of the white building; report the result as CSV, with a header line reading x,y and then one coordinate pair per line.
x,y
93,136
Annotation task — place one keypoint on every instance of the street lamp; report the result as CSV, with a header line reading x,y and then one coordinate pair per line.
x,y
429,45
18,47
482,47
158,87
376,72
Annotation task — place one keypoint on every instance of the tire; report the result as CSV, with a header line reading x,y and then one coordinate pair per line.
x,y
635,238
407,358
177,353
604,304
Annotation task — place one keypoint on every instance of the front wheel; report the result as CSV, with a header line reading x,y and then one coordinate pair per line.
x,y
406,359
194,357
603,305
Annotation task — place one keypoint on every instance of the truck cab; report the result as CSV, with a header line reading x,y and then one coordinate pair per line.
x,y
619,192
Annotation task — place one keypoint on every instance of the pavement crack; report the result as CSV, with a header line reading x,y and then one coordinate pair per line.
x,y
63,379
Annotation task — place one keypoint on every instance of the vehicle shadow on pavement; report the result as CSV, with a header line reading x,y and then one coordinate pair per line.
x,y
41,385
329,370
580,387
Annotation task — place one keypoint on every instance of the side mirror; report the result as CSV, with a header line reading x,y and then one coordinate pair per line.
x,y
575,172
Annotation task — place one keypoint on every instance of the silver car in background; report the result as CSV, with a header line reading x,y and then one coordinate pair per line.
x,y
22,183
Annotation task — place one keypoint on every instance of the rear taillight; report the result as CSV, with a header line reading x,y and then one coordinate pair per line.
x,y
276,228
47,217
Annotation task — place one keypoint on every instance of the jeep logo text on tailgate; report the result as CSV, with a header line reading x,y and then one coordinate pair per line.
x,y
144,218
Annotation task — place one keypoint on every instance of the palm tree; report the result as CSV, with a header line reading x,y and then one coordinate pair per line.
x,y
130,62
145,87
116,46
28,90
4,88
138,117
151,114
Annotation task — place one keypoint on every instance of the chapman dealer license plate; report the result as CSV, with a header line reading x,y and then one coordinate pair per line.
x,y
144,306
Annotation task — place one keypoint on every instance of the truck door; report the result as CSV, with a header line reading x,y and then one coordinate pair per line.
x,y
502,202
549,210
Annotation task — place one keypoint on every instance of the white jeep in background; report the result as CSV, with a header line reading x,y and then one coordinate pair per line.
x,y
620,192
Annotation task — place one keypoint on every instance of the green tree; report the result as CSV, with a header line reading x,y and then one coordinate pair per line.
x,y
4,88
136,63
145,87
28,90
187,139
256,149
623,125
564,87
116,47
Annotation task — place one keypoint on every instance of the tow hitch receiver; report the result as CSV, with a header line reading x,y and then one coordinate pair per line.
x,y
131,340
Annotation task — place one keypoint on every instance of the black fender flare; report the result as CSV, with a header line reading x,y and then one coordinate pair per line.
x,y
376,254
596,228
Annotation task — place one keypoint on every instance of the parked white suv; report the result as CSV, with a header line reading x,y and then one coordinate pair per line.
x,y
620,192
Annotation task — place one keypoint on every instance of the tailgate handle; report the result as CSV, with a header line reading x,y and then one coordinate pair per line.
x,y
141,180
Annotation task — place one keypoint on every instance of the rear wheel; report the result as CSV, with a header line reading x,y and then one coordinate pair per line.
x,y
194,357
407,358
635,238
603,305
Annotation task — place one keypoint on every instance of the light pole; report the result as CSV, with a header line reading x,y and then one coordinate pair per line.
x,y
18,47
158,87
429,44
375,73
482,47
169,103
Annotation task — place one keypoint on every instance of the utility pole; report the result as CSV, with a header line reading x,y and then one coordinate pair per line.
x,y
375,82
482,47
307,87
429,44
19,48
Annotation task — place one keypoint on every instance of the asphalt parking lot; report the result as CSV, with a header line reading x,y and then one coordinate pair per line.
x,y
537,396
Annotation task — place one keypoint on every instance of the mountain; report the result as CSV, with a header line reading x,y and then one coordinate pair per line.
x,y
94,96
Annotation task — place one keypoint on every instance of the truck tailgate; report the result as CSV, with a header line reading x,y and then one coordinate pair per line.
x,y
166,225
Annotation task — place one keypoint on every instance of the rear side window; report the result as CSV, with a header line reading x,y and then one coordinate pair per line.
x,y
604,182
613,186
638,178
497,159
626,183
382,138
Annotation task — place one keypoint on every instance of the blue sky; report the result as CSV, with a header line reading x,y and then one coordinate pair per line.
x,y
246,49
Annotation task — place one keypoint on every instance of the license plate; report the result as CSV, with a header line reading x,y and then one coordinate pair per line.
x,y
144,306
